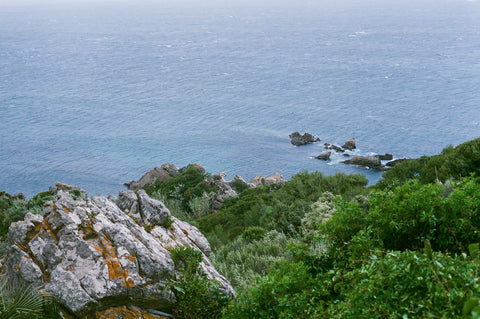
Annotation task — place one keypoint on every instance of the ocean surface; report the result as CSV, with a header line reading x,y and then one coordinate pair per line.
x,y
96,94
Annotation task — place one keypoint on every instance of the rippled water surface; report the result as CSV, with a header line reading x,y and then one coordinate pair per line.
x,y
97,95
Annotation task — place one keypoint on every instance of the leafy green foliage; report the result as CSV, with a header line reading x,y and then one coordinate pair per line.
x,y
288,291
186,258
400,252
168,223
14,208
453,162
25,302
201,206
198,297
254,233
76,194
408,284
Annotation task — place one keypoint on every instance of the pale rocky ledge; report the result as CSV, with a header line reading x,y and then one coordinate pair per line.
x,y
104,259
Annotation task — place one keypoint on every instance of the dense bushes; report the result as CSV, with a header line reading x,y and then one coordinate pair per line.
x,y
250,255
403,218
279,207
408,284
390,284
402,251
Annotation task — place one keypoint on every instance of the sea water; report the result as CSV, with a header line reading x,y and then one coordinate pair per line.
x,y
94,94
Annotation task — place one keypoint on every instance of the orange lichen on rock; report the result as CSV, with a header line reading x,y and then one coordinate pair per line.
x,y
125,313
129,282
48,229
115,269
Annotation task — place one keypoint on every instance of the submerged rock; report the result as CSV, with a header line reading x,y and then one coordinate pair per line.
x,y
99,257
298,139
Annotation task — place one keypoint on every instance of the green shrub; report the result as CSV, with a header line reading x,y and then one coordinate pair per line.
x,y
201,206
288,291
404,217
14,208
168,223
186,258
243,259
76,194
196,295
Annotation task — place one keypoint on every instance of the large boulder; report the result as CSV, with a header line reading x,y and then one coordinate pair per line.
x,y
158,174
100,258
365,161
350,144
324,156
298,139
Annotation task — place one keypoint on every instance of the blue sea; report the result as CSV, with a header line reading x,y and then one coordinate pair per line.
x,y
95,94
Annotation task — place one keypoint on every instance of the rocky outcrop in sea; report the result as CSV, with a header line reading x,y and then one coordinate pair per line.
x,y
104,258
298,139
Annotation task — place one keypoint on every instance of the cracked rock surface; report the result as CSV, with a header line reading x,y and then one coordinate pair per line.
x,y
100,256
